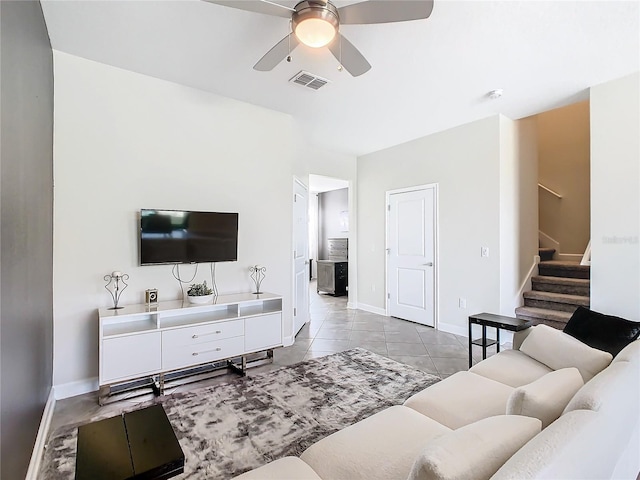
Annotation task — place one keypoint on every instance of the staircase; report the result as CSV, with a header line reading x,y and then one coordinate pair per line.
x,y
558,290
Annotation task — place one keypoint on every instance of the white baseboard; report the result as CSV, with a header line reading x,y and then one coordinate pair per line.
x,y
41,437
78,387
455,329
569,257
463,331
518,299
288,340
371,309
352,305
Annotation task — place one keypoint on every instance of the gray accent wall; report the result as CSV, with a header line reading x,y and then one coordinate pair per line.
x,y
26,238
330,207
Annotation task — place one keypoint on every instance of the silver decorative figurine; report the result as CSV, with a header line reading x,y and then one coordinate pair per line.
x,y
257,275
114,286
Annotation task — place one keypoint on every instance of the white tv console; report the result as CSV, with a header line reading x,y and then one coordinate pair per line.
x,y
138,341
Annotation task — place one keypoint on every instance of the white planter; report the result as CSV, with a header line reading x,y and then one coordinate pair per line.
x,y
201,299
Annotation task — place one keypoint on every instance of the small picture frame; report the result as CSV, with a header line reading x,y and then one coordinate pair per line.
x,y
151,296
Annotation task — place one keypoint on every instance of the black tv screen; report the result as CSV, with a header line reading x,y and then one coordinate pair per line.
x,y
176,236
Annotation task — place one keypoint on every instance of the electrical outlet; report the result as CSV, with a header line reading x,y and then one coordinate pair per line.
x,y
462,302
484,251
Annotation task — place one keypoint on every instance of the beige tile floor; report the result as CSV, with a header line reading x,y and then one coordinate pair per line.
x,y
332,328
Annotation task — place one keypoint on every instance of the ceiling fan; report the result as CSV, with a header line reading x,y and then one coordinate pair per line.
x,y
316,23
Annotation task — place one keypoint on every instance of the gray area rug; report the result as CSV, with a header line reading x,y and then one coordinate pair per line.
x,y
227,429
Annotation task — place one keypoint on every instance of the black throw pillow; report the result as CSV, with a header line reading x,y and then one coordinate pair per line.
x,y
604,332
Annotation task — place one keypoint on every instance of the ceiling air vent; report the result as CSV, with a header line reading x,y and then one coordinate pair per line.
x,y
309,80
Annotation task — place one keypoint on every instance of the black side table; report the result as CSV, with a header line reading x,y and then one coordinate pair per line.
x,y
136,445
496,321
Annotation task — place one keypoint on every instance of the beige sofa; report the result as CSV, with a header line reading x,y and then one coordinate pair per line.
x,y
552,407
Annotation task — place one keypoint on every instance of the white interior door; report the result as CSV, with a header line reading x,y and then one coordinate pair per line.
x,y
411,252
300,256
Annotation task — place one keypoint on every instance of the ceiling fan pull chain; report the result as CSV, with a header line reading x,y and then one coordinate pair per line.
x,y
289,40
340,67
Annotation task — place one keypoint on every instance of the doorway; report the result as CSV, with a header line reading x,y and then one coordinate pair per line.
x,y
412,254
329,234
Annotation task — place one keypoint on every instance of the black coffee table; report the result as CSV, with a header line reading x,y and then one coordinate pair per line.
x,y
136,445
496,321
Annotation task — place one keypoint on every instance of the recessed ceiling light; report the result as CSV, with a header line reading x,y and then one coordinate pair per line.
x,y
493,94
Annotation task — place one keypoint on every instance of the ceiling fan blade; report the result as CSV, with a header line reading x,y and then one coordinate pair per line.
x,y
277,53
257,6
385,11
349,56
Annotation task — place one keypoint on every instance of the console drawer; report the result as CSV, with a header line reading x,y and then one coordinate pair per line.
x,y
202,333
175,357
129,357
262,332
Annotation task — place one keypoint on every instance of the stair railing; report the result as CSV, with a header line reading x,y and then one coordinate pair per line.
x,y
552,192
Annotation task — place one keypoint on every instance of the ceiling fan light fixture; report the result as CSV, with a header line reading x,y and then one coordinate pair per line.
x,y
315,32
315,23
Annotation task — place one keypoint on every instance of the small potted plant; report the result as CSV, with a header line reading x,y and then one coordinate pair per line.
x,y
199,293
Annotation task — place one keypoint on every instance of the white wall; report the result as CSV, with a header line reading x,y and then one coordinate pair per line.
x,y
125,141
615,197
331,206
465,162
563,146
518,210
487,176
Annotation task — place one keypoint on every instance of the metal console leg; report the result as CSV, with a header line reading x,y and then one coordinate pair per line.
x,y
240,369
103,392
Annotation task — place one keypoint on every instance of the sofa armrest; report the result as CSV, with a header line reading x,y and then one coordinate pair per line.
x,y
518,337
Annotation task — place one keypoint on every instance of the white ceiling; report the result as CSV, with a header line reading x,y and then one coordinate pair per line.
x,y
320,183
427,75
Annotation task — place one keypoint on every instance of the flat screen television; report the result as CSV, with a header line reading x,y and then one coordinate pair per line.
x,y
177,236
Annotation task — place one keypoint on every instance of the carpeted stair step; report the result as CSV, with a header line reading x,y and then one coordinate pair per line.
x,y
553,318
558,268
571,286
546,254
555,301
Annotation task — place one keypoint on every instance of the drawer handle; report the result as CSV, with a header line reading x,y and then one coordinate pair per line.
x,y
210,333
195,354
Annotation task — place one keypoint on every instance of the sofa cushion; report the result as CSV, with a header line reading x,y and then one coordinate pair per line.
x,y
511,367
461,399
546,398
475,451
611,389
383,446
570,448
630,353
286,468
558,350
604,332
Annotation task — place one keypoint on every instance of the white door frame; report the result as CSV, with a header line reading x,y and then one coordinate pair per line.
x,y
293,332
436,273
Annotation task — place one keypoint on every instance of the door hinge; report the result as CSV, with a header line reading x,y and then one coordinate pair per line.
x,y
295,311
295,198
389,208
388,296
294,254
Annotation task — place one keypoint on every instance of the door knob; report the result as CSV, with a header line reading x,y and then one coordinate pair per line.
x,y
428,264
